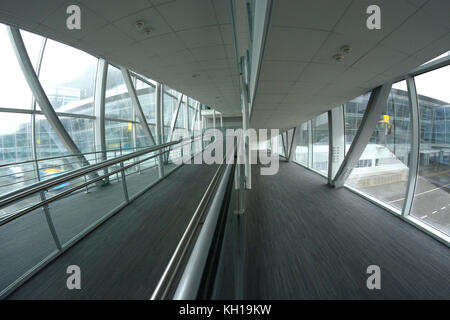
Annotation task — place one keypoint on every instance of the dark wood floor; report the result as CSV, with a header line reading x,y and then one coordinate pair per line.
x,y
306,240
125,257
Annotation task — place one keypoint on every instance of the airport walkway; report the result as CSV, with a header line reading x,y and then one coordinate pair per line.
x,y
308,241
125,257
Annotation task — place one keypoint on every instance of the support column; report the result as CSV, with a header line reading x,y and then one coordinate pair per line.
x,y
310,144
40,96
99,111
375,107
294,143
159,127
336,129
415,146
245,126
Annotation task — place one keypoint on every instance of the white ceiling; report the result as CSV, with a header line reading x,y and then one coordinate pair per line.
x,y
298,77
189,37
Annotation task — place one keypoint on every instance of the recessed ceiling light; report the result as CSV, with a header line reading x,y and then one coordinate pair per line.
x,y
140,24
346,49
338,57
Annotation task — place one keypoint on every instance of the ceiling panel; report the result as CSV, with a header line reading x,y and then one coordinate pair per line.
x,y
188,14
303,14
152,20
112,10
292,44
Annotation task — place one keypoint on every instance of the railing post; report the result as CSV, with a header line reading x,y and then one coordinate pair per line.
x,y
124,183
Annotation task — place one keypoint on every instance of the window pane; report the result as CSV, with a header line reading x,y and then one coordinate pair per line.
x,y
118,103
354,112
432,201
81,131
15,137
382,171
320,143
15,92
280,146
302,151
142,140
146,95
119,135
169,108
69,84
48,143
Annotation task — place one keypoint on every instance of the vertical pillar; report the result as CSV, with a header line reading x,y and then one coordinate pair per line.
x,y
415,146
336,129
159,126
310,144
294,143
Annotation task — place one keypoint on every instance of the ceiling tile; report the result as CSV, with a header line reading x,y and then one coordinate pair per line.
x,y
321,73
379,59
188,14
281,70
90,21
222,9
433,50
293,44
108,38
415,34
184,56
439,9
305,14
209,53
168,43
113,10
333,45
393,14
201,37
44,8
282,87
152,20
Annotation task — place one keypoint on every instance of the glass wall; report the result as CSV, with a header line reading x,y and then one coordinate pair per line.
x,y
354,112
382,170
320,137
69,86
432,194
302,149
32,149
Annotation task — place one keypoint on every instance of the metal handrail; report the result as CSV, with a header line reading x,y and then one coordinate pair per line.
x,y
165,284
48,184
38,187
67,156
189,283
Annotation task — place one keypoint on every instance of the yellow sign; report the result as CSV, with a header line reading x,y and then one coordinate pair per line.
x,y
38,141
130,126
385,119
